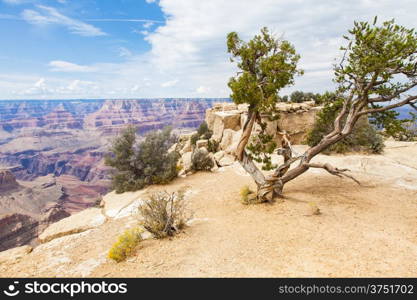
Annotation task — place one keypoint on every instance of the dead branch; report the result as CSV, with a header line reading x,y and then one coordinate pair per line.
x,y
333,170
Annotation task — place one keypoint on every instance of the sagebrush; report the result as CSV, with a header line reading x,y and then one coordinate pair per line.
x,y
201,160
164,214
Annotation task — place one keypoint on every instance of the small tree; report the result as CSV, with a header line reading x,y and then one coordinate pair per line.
x,y
379,66
139,165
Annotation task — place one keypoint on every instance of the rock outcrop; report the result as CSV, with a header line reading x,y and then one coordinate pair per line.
x,y
295,118
7,181
226,120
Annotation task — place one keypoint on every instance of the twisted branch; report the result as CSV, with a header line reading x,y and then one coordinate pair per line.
x,y
333,170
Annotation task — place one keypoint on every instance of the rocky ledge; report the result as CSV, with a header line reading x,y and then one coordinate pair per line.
x,y
226,121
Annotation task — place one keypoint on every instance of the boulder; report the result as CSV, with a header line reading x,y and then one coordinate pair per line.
x,y
187,147
225,120
210,118
227,160
14,254
218,156
115,203
229,106
215,167
79,222
230,140
201,144
226,139
186,161
297,124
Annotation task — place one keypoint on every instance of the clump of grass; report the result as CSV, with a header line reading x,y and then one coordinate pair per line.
x,y
126,244
248,196
313,208
164,214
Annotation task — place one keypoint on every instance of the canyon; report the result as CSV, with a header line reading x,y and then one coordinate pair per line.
x,y
52,154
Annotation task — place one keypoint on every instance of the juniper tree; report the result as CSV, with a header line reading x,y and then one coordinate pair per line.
x,y
378,68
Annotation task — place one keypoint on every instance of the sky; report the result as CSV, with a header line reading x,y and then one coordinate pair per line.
x,y
74,49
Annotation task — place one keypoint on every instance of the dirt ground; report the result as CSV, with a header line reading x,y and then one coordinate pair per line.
x,y
362,231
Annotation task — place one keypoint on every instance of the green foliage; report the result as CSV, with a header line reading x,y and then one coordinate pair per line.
x,y
139,165
164,214
201,160
203,133
266,64
126,244
194,138
261,146
212,146
299,96
383,55
363,138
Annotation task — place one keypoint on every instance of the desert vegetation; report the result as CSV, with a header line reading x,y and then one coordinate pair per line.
x,y
164,214
377,70
140,164
126,244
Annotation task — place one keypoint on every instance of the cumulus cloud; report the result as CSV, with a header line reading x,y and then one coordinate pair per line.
x,y
188,56
46,15
64,66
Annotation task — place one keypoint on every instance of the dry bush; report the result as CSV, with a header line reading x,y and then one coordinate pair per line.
x,y
248,196
201,160
126,244
164,214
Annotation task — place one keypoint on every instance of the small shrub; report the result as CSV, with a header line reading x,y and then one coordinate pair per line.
x,y
126,244
248,196
201,160
203,133
164,214
194,138
212,146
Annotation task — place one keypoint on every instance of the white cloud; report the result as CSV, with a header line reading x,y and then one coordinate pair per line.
x,y
64,66
148,25
190,47
124,52
46,15
169,83
150,1
202,90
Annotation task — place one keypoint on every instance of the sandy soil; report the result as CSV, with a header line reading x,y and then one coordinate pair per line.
x,y
363,231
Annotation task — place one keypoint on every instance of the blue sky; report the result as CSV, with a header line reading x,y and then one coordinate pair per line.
x,y
58,49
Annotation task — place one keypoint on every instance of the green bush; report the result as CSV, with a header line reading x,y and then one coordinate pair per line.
x,y
194,138
203,133
212,146
126,244
140,164
164,214
201,160
363,138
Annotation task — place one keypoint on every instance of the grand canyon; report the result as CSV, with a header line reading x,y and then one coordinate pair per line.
x,y
52,154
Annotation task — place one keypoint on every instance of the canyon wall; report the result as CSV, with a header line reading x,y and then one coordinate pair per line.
x,y
53,152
